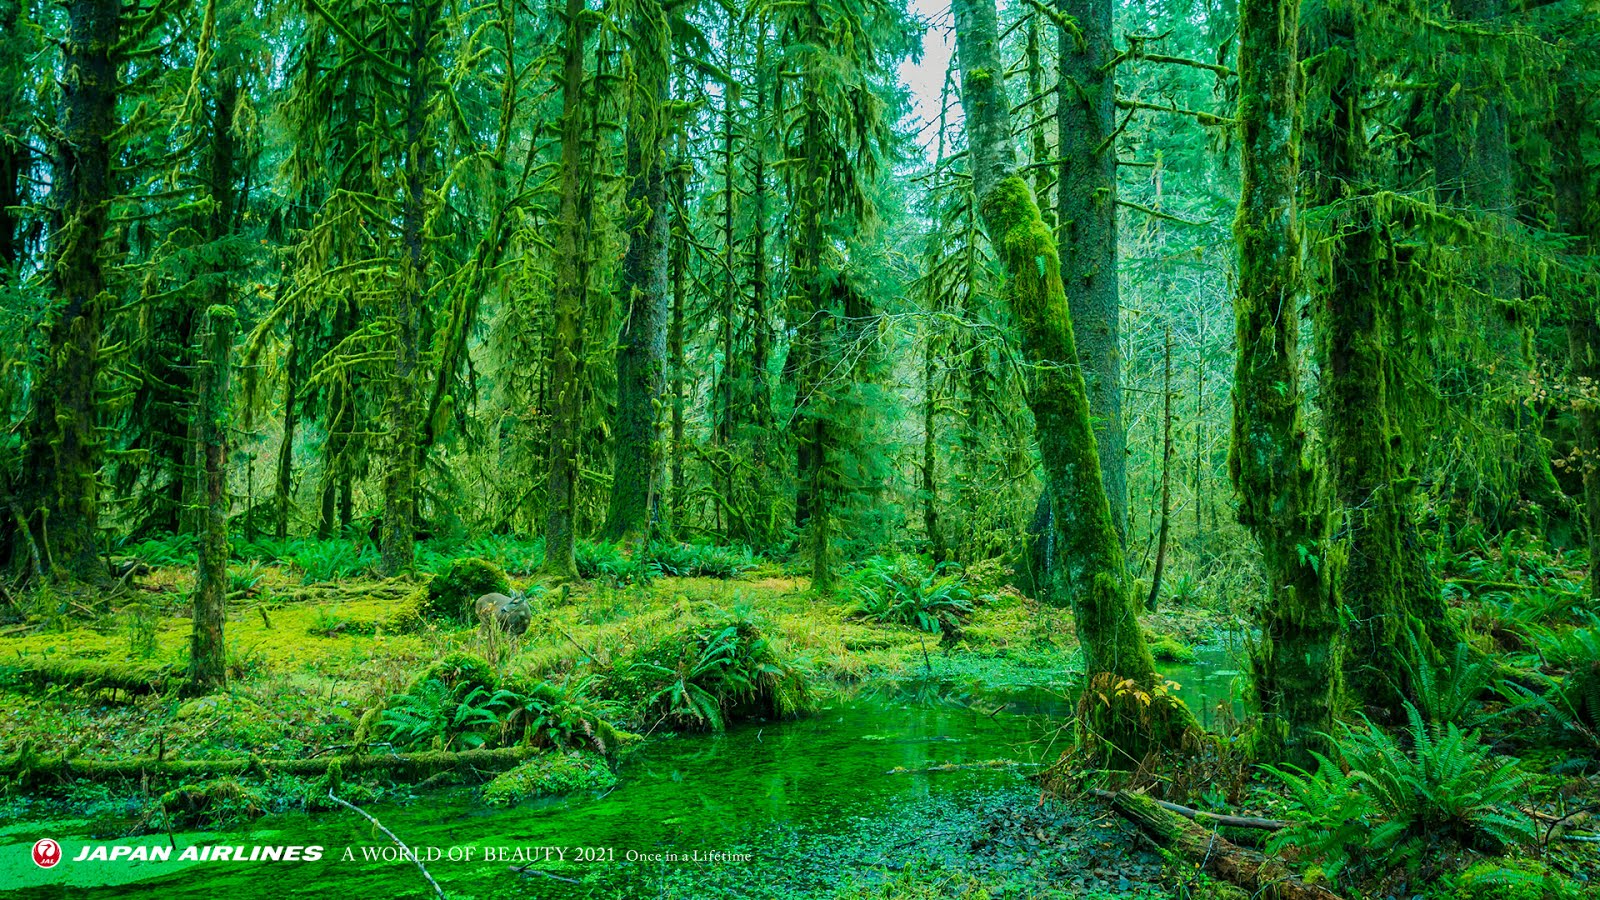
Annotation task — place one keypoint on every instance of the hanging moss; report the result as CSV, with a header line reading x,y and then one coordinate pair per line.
x,y
1296,663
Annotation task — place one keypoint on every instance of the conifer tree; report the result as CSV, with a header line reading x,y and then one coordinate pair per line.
x,y
641,352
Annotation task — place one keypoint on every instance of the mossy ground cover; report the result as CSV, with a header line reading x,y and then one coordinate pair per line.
x,y
310,663
306,661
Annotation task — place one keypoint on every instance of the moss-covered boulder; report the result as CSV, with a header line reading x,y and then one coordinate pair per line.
x,y
549,775
208,803
461,672
452,592
1170,649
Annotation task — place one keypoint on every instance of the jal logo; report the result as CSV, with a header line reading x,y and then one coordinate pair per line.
x,y
46,853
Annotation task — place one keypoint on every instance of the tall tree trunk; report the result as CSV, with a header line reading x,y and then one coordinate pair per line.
x,y
642,350
15,158
1038,142
680,297
1096,582
723,410
1164,530
1474,169
400,481
1578,214
291,423
207,652
340,418
761,489
1297,662
64,450
1376,584
571,292
930,449
1085,116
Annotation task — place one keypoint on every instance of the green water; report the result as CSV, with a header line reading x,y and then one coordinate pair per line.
x,y
789,795
1210,685
812,803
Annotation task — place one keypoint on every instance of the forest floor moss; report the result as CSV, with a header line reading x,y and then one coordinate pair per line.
x,y
305,661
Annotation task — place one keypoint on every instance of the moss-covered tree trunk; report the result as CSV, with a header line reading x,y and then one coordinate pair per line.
x,y
1380,582
680,298
761,489
1085,117
291,425
1474,169
571,291
340,419
642,348
59,490
1297,661
400,481
207,652
16,157
1577,181
1116,658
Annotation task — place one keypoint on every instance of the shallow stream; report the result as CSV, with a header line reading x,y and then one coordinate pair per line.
x,y
862,783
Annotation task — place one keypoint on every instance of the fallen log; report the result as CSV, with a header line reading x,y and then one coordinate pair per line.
x,y
1262,877
132,678
27,768
1200,815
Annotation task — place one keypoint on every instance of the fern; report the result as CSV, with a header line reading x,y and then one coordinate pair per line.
x,y
1447,786
897,593
1452,693
430,714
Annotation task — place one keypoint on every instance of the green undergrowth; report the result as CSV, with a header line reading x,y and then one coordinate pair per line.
x,y
550,775
323,669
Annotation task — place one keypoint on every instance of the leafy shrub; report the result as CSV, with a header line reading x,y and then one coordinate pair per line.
x,y
436,715
1185,590
1453,693
320,561
901,592
452,592
1394,805
1515,879
549,775
1570,701
245,578
605,562
509,552
562,717
700,560
712,674
167,550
